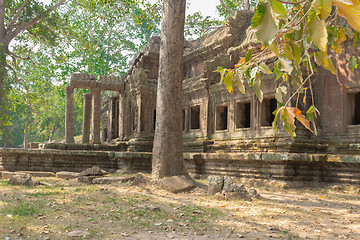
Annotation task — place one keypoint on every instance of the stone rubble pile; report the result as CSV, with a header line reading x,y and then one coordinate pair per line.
x,y
223,188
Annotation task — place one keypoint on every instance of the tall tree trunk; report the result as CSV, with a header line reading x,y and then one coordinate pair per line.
x,y
2,71
167,159
52,133
26,143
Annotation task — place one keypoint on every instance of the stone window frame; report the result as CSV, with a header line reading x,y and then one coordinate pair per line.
x,y
252,119
349,102
190,117
267,97
222,104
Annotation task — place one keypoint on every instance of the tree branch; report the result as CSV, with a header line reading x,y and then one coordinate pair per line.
x,y
232,12
26,25
2,17
17,15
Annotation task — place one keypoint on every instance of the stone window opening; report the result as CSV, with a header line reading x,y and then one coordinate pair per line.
x,y
243,114
268,106
183,119
222,117
195,117
154,120
355,109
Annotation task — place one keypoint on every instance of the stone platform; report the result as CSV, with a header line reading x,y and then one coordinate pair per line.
x,y
280,166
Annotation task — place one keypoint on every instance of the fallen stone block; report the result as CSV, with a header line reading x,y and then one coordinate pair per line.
x,y
93,171
67,175
215,184
7,175
39,174
237,196
254,194
108,180
228,184
177,184
140,178
23,180
86,179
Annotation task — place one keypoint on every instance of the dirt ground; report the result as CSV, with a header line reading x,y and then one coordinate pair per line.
x,y
66,209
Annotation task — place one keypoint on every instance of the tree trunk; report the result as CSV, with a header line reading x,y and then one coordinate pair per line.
x,y
167,159
26,143
52,133
2,71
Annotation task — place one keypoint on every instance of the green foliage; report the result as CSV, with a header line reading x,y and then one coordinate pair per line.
x,y
264,23
234,5
197,25
96,37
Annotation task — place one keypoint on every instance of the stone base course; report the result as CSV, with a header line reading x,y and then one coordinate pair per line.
x,y
289,167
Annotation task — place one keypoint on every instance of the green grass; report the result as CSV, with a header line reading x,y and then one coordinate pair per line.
x,y
23,209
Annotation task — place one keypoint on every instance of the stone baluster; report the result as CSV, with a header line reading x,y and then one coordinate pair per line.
x,y
86,118
69,114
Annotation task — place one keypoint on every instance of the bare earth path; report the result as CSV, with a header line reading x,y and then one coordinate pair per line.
x,y
66,209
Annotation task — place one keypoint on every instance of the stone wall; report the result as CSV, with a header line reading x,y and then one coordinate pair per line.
x,y
279,166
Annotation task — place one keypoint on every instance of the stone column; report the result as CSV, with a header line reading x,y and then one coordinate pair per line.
x,y
111,120
122,116
69,114
86,118
96,118
139,117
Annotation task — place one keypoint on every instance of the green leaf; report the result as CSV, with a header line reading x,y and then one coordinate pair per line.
x,y
276,113
257,89
355,39
273,48
289,122
222,73
318,33
323,8
228,80
264,23
264,68
248,55
323,59
279,92
353,63
296,53
296,79
277,70
239,82
278,8
286,65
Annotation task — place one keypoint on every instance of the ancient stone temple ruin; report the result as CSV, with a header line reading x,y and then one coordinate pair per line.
x,y
223,133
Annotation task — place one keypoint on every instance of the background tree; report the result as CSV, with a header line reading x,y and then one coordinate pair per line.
x,y
23,18
96,37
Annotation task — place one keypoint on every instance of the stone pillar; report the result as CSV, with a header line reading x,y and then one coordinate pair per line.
x,y
139,117
111,119
69,114
96,118
86,118
122,116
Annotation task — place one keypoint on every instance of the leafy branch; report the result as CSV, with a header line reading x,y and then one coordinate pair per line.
x,y
297,34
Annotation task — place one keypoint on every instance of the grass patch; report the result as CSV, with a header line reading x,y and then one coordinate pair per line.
x,y
23,209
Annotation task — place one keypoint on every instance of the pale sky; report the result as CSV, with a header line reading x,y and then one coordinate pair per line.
x,y
206,7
